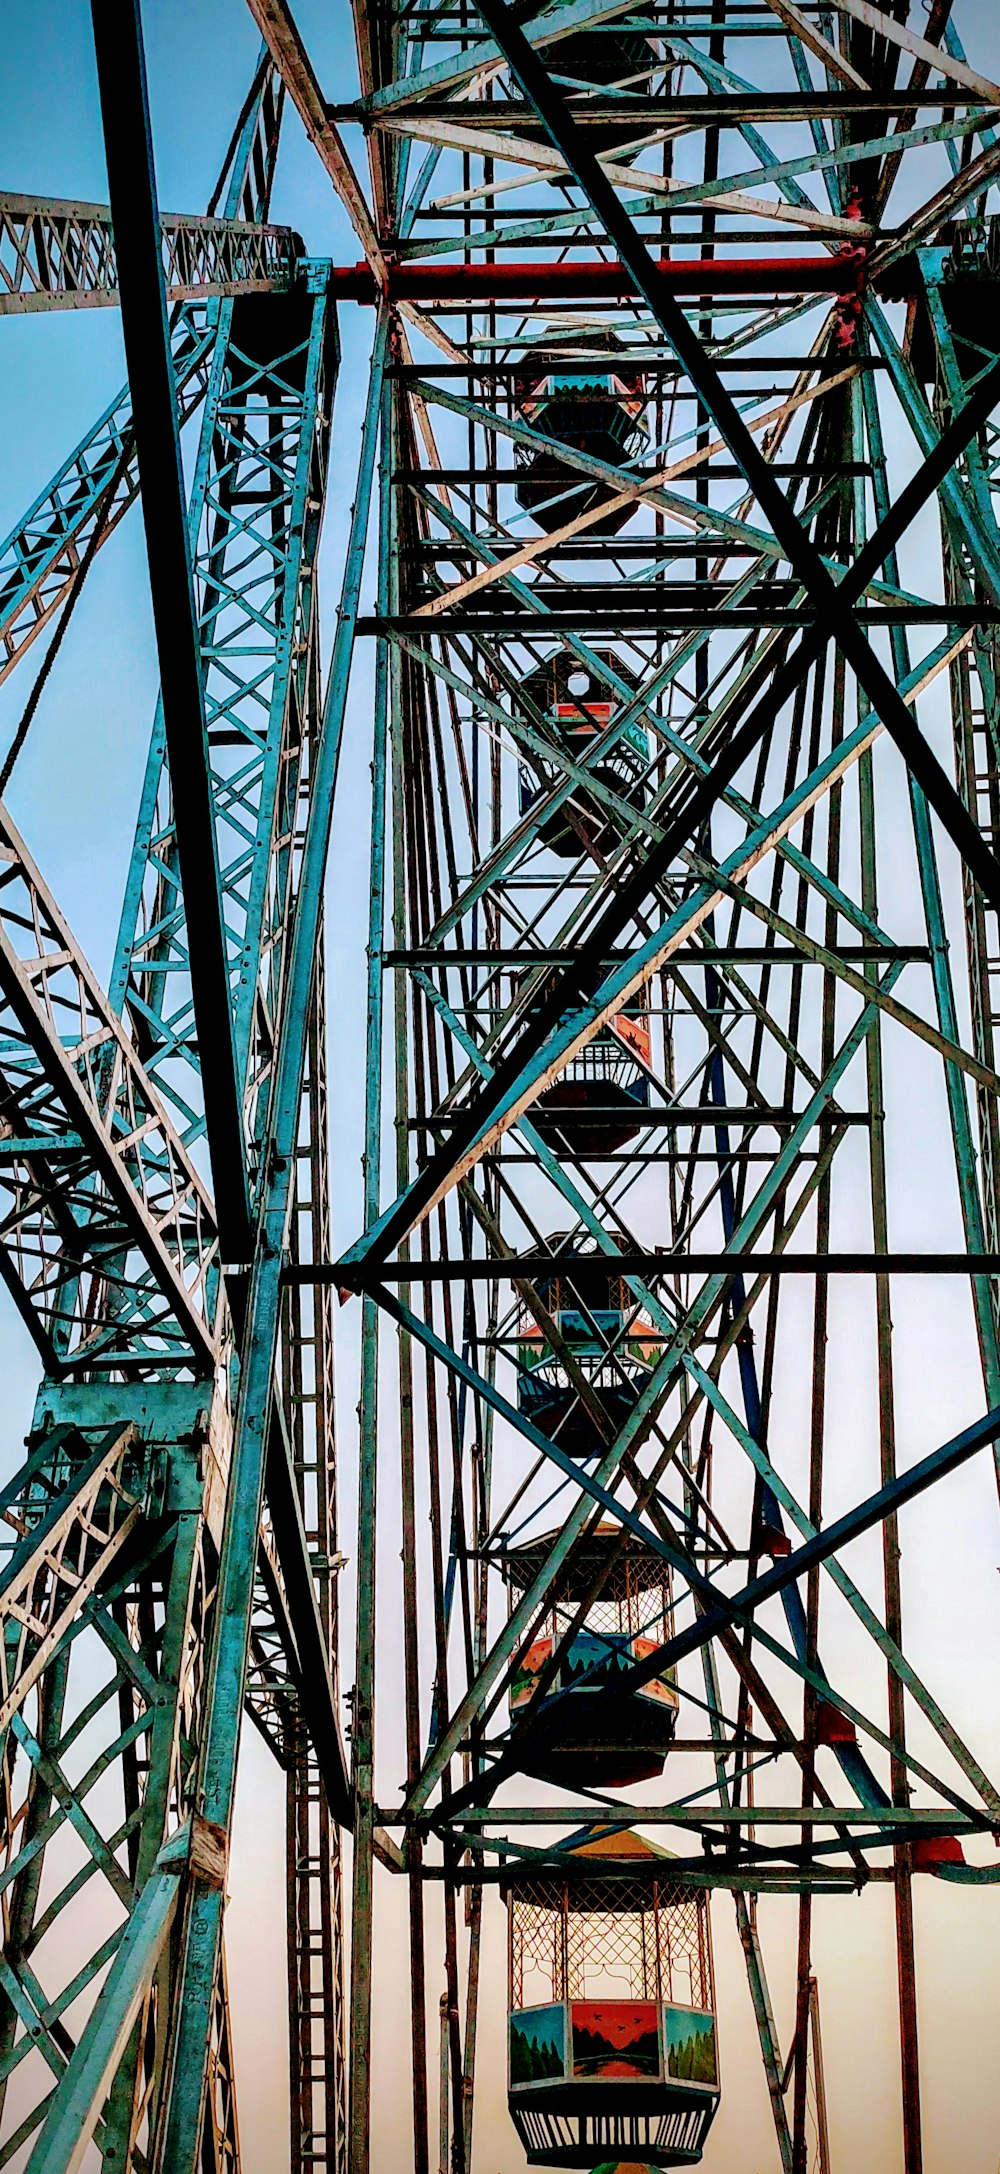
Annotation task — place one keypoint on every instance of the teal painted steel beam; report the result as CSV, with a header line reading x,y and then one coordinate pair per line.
x,y
183,2112
891,1652
448,74
254,526
961,1126
964,511
783,173
79,2095
611,1818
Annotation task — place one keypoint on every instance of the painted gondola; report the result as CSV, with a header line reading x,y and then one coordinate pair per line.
x,y
612,2049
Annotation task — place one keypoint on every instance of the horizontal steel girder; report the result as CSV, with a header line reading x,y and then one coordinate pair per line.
x,y
597,279
56,255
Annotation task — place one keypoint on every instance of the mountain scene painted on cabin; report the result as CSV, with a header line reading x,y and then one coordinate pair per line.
x,y
599,1658
689,2037
537,2041
615,2038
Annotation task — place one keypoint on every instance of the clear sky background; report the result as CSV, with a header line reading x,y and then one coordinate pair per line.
x,y
74,794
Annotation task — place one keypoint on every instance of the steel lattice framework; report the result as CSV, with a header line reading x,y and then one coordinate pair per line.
x,y
685,814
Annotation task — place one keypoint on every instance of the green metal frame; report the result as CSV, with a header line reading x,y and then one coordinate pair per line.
x,y
758,626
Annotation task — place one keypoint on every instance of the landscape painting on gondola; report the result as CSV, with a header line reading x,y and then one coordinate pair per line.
x,y
616,2039
689,2038
537,2042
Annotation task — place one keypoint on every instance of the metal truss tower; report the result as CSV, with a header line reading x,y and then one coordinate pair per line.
x,y
681,467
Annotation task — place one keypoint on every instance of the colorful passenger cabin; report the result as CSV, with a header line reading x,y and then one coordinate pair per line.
x,y
578,1737
576,391
612,2044
579,708
611,1342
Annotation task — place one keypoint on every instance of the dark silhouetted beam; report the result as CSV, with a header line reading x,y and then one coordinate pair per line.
x,y
315,1687
134,211
590,1268
830,1541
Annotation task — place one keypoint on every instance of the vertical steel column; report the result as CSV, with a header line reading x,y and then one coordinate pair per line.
x,y
318,2103
903,1889
224,1693
388,667
363,1697
254,523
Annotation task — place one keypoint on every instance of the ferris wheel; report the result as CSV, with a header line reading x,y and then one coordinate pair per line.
x,y
646,1645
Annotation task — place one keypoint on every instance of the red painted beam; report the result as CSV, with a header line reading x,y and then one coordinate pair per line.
x,y
595,279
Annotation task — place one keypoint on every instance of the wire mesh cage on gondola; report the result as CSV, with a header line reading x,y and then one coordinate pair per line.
x,y
577,392
579,1379
581,709
611,1608
612,2041
596,1105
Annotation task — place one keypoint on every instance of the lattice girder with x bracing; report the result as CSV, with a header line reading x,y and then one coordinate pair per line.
x,y
99,1159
